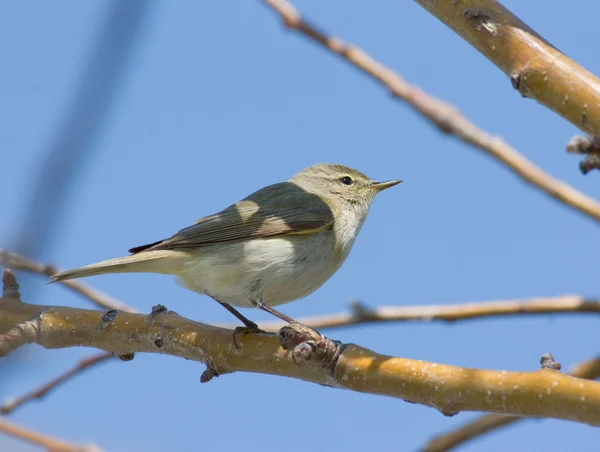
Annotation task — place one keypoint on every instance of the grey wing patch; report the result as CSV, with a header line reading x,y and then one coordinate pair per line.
x,y
275,210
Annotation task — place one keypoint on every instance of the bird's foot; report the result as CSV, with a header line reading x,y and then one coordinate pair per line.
x,y
248,328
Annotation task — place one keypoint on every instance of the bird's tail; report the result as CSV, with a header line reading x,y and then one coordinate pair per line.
x,y
160,261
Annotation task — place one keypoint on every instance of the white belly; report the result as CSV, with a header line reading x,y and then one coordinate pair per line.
x,y
274,271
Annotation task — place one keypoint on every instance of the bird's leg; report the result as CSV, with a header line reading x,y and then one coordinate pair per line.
x,y
275,312
249,325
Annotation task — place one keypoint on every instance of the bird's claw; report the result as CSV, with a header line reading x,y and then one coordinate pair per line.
x,y
251,327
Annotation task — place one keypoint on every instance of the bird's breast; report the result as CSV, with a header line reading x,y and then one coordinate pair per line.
x,y
275,270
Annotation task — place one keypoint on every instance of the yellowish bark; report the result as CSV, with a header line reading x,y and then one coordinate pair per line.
x,y
490,422
535,68
307,356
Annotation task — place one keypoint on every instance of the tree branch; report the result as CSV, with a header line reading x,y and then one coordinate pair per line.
x,y
298,352
359,314
17,262
363,315
535,68
490,422
12,404
47,442
447,118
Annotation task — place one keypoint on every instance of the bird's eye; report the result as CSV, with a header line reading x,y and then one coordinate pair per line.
x,y
346,180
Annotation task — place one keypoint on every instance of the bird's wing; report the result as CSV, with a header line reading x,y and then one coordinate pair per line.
x,y
276,210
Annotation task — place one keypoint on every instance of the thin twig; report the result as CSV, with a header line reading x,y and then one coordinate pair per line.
x,y
447,118
567,304
490,422
47,442
86,363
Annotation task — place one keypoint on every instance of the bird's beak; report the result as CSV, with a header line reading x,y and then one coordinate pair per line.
x,y
380,186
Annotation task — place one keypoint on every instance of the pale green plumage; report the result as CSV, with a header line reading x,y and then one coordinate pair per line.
x,y
277,245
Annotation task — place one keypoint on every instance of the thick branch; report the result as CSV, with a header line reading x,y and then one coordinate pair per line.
x,y
361,315
444,116
490,422
535,68
47,442
303,354
358,315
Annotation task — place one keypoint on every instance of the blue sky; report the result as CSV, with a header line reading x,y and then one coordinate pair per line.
x,y
218,101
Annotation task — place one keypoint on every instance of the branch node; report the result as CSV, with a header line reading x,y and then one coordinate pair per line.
x,y
10,286
548,362
158,340
588,146
449,413
8,405
515,80
307,346
360,311
208,374
481,20
156,310
126,357
109,316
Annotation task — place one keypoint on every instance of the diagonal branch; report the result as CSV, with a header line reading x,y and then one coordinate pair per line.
x,y
47,442
490,422
536,68
86,363
301,353
447,118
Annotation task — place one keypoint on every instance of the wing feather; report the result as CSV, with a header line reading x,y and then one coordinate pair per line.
x,y
273,211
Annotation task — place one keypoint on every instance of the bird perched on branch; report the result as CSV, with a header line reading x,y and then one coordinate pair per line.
x,y
278,245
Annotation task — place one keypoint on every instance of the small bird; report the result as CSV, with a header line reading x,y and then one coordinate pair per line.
x,y
278,245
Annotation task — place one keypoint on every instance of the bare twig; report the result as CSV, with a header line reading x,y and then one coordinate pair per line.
x,y
535,68
301,353
447,118
567,304
490,422
12,404
47,442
